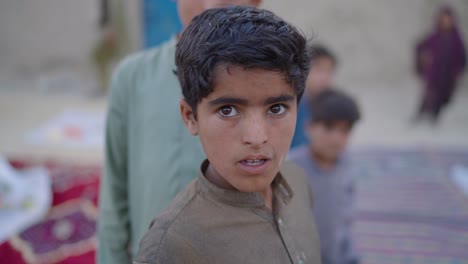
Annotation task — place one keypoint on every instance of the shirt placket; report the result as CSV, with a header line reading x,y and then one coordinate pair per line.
x,y
296,256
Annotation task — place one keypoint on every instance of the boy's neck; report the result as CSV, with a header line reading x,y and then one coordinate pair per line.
x,y
268,198
214,177
322,162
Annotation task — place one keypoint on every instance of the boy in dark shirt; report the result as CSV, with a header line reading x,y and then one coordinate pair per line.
x,y
242,71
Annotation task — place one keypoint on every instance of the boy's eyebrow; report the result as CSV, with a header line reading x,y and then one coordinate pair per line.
x,y
227,101
241,101
279,99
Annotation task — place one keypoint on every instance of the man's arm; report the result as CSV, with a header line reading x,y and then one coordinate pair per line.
x,y
113,223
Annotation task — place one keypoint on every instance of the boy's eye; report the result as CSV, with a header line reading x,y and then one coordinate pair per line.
x,y
228,111
277,109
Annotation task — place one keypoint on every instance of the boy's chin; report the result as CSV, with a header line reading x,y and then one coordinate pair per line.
x,y
253,185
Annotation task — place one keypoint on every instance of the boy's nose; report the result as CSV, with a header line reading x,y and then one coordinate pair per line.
x,y
255,132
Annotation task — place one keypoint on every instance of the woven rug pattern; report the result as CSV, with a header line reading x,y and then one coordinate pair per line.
x,y
68,234
408,210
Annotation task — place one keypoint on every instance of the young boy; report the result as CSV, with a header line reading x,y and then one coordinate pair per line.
x,y
322,71
242,71
145,134
334,116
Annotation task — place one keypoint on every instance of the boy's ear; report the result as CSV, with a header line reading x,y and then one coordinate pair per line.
x,y
188,116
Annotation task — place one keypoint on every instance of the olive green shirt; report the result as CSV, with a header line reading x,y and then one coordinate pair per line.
x,y
207,224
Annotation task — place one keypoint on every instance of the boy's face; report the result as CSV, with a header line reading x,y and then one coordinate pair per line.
x,y
188,9
329,141
321,75
245,125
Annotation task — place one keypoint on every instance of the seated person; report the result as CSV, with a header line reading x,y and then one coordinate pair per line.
x,y
242,71
325,163
321,74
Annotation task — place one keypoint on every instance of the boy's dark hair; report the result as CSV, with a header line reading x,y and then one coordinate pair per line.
x,y
243,36
319,51
331,106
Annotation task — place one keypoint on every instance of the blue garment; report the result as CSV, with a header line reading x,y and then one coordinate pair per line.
x,y
303,116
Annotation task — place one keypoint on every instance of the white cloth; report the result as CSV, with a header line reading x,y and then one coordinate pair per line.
x,y
25,198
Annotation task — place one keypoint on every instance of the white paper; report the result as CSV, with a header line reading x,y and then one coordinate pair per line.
x,y
25,198
71,128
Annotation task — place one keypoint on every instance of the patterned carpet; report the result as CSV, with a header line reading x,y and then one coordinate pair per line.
x,y
408,209
68,234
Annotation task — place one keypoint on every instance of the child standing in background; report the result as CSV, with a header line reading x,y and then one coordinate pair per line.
x,y
325,163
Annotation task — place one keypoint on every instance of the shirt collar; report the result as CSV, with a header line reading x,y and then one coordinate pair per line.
x,y
281,191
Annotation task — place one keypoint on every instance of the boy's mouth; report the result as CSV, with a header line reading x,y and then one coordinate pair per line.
x,y
253,162
254,165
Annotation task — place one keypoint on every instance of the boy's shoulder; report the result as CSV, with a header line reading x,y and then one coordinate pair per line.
x,y
292,172
165,240
295,176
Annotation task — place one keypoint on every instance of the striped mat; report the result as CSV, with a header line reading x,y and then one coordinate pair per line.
x,y
408,210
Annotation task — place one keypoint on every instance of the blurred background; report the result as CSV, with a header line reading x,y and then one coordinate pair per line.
x,y
56,57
